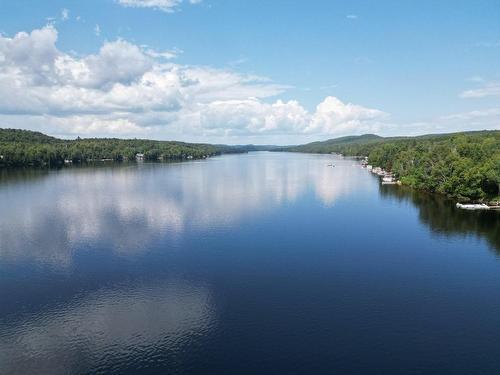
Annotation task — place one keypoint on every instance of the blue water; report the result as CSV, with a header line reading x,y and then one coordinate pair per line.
x,y
263,263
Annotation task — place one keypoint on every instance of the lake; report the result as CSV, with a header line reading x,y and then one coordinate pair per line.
x,y
262,263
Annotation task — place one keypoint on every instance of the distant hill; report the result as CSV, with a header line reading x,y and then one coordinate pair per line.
x,y
365,138
27,136
333,145
361,145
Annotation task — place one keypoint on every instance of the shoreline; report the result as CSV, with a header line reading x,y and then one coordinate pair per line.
x,y
485,204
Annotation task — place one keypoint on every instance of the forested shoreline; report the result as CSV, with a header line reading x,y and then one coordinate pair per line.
x,y
464,166
23,148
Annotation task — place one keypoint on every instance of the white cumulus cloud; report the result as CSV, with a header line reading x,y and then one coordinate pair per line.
x,y
332,116
125,89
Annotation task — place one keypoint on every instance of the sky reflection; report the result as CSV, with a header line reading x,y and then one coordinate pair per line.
x,y
114,324
127,207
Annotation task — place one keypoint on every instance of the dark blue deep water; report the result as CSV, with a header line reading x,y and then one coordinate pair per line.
x,y
266,263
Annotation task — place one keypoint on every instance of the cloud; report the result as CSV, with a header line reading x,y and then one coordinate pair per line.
x,y
167,6
253,117
130,90
488,89
167,55
332,116
250,116
144,211
97,30
352,17
117,62
64,14
89,125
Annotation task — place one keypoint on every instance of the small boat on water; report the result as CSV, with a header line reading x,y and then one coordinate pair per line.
x,y
331,165
481,206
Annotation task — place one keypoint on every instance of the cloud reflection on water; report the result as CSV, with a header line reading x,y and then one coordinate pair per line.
x,y
127,207
108,326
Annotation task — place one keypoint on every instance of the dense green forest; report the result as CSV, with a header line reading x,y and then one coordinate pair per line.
x,y
465,166
28,148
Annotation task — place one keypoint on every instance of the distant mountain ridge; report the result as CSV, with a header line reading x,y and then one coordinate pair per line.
x,y
350,145
35,137
351,139
325,146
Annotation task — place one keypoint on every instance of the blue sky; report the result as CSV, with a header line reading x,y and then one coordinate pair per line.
x,y
249,71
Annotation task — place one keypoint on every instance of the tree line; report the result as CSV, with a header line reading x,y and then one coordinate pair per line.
x,y
20,148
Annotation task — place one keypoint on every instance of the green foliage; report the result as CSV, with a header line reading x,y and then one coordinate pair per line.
x,y
25,136
26,148
465,166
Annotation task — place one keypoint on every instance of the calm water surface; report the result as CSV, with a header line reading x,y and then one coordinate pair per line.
x,y
264,263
